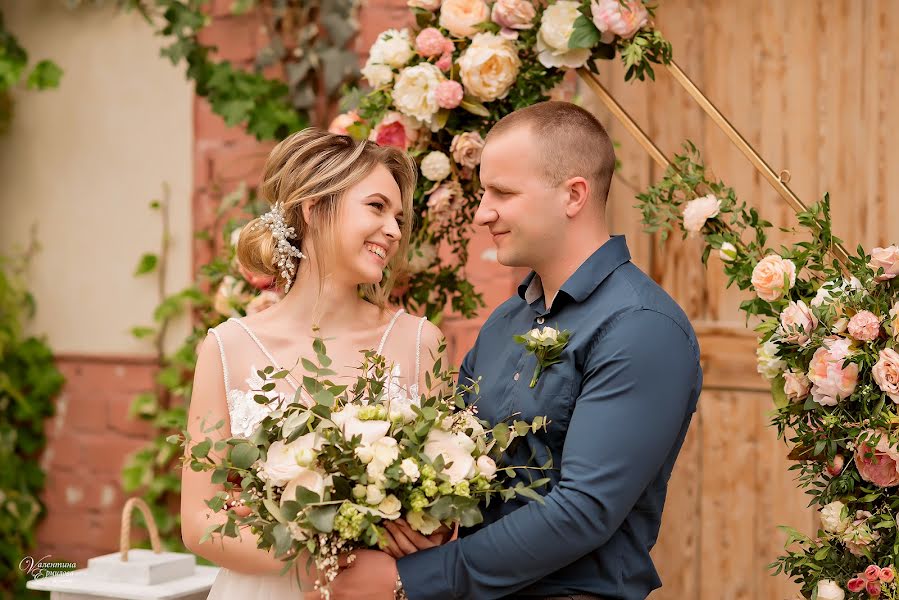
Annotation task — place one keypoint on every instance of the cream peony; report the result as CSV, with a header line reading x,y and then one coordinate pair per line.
x,y
769,275
392,48
377,75
830,381
513,14
556,28
886,258
461,17
830,590
886,373
700,210
834,517
466,149
769,365
797,323
489,66
623,19
456,449
414,92
280,465
436,166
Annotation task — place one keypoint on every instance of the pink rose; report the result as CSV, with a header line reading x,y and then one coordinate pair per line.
x,y
872,573
887,574
430,42
769,275
864,326
888,258
258,281
831,382
341,122
880,466
886,373
264,300
514,14
836,467
445,62
444,203
873,589
466,149
797,323
700,210
856,584
449,94
623,19
395,130
796,386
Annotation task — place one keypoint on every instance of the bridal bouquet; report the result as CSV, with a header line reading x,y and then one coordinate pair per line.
x,y
324,470
829,345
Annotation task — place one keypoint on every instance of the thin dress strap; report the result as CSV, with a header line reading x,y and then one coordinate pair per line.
x,y
421,324
224,360
265,351
387,331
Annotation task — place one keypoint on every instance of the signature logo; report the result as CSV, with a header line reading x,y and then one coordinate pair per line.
x,y
38,569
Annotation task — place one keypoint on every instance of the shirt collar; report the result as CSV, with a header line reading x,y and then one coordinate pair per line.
x,y
587,277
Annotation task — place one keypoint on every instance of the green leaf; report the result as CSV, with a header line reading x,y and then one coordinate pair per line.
x,y
322,518
146,264
201,450
220,476
474,107
273,508
585,34
45,75
142,332
244,455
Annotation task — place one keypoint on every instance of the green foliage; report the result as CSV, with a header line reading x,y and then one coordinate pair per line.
x,y
29,381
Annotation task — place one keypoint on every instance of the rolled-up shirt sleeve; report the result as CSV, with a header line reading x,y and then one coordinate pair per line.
x,y
638,381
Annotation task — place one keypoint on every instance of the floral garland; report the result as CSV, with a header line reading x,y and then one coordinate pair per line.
x,y
829,335
436,91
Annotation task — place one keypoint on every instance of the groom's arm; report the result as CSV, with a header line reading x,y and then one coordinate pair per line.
x,y
636,392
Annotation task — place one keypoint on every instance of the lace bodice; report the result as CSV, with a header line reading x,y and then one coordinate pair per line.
x,y
246,414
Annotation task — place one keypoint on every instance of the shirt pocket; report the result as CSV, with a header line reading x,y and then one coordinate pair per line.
x,y
552,397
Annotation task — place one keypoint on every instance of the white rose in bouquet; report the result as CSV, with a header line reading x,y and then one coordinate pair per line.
x,y
281,465
456,449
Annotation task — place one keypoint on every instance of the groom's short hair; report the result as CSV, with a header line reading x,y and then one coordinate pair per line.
x,y
572,143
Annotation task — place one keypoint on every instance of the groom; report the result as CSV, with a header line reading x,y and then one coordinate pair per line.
x,y
619,403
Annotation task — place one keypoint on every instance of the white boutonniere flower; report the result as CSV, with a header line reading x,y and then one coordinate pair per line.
x,y
546,345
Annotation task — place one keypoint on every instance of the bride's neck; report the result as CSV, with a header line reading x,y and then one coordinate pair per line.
x,y
333,306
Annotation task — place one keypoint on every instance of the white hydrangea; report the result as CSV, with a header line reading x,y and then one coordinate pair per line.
x,y
436,166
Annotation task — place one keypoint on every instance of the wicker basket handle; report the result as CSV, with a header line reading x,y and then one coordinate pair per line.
x,y
125,538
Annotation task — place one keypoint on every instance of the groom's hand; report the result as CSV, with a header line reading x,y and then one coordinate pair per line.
x,y
403,540
370,576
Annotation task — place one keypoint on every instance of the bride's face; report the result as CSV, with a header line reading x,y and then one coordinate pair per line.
x,y
368,228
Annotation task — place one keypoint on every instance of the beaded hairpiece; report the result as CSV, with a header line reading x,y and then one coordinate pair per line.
x,y
285,252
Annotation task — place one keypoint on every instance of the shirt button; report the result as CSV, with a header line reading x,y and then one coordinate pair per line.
x,y
539,320
516,376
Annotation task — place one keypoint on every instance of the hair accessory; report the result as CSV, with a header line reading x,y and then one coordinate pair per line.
x,y
284,250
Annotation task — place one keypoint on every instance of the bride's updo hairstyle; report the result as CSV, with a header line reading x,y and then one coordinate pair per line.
x,y
313,164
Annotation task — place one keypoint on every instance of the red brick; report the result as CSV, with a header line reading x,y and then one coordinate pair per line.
x,y
119,419
105,455
235,37
377,15
239,162
210,126
69,491
67,531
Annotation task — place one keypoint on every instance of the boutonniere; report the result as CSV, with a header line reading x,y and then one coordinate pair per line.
x,y
546,345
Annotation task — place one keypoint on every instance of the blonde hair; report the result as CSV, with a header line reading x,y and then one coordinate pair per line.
x,y
314,165
572,143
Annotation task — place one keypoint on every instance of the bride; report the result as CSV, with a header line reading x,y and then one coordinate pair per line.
x,y
341,213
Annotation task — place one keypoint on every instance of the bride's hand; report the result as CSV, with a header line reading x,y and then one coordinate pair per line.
x,y
403,540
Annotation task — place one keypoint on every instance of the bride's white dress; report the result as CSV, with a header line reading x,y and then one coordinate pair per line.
x,y
245,414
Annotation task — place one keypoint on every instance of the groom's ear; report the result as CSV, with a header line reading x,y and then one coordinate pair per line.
x,y
578,195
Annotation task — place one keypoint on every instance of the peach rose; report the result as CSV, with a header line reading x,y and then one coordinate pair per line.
x,y
444,202
431,5
489,66
513,14
623,19
864,326
700,210
836,467
830,381
859,535
341,122
888,259
797,323
886,373
264,300
856,584
796,386
881,466
872,573
461,17
769,275
873,589
887,574
466,149
395,130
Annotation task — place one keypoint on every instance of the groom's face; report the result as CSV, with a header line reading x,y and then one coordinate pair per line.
x,y
522,211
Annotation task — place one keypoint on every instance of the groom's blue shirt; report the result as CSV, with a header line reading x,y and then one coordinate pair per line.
x,y
619,403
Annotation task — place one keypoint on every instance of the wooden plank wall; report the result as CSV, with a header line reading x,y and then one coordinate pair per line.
x,y
811,84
